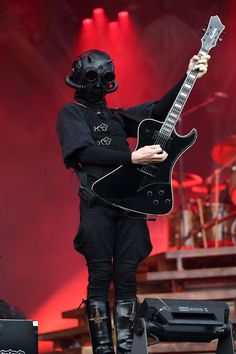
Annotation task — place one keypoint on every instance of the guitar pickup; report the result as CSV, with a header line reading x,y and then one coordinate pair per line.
x,y
154,167
155,134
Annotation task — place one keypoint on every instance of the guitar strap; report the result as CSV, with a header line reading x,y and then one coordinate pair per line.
x,y
81,174
85,192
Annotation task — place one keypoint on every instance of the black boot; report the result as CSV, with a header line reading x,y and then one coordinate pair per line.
x,y
124,314
99,321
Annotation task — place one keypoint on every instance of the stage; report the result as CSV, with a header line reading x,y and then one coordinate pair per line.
x,y
151,43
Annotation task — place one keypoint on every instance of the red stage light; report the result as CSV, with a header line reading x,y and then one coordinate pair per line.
x,y
123,14
87,21
100,19
113,24
98,11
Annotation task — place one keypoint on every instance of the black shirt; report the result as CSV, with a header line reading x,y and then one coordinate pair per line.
x,y
95,136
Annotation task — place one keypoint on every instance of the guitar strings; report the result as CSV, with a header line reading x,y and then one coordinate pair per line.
x,y
162,142
163,139
148,168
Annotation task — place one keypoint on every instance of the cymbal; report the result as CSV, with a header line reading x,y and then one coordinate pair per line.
x,y
225,151
203,189
189,180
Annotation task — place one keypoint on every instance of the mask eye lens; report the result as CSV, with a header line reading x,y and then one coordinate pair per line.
x,y
91,75
108,77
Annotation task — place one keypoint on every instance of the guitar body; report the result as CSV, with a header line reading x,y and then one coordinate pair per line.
x,y
145,189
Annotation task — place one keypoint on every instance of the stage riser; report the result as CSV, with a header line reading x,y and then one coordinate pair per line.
x,y
163,276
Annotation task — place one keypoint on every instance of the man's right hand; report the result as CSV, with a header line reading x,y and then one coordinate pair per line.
x,y
148,154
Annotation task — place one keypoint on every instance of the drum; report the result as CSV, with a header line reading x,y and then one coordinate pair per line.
x,y
232,185
216,226
180,225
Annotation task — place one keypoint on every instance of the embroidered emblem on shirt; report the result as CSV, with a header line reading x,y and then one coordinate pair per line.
x,y
105,141
98,318
101,128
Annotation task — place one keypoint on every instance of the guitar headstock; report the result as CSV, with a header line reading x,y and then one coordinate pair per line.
x,y
212,33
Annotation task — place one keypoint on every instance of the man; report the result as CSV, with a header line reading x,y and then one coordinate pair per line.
x,y
93,138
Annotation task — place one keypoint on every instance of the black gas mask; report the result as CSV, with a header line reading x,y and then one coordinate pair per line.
x,y
92,76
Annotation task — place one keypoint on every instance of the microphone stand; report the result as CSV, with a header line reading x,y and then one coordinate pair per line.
x,y
205,103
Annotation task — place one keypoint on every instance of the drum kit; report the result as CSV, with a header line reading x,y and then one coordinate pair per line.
x,y
208,220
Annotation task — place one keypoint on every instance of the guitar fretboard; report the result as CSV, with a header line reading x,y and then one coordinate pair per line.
x,y
180,101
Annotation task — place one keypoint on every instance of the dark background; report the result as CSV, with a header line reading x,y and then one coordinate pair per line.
x,y
40,271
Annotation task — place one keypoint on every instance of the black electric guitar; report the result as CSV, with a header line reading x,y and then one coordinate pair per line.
x,y
147,189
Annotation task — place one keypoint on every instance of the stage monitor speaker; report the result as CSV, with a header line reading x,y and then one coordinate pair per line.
x,y
18,337
182,321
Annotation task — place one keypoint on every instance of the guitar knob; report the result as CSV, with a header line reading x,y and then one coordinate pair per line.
x,y
161,192
149,194
167,201
147,131
155,201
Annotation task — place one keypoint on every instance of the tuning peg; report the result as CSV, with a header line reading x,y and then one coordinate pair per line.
x,y
219,42
222,33
203,30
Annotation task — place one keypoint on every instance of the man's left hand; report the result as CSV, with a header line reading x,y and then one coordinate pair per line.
x,y
199,63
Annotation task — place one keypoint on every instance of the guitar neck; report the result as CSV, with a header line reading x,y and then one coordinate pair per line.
x,y
180,101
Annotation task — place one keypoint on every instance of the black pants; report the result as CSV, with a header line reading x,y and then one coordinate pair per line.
x,y
113,244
